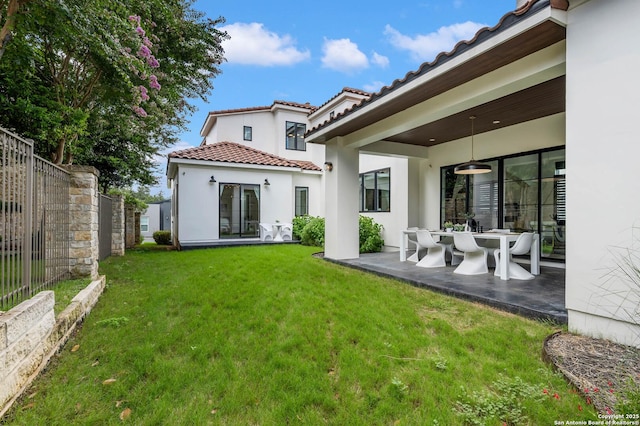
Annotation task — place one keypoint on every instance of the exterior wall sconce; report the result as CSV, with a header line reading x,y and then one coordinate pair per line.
x,y
328,166
266,182
212,180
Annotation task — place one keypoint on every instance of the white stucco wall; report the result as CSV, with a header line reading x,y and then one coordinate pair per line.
x,y
315,184
199,209
603,206
398,218
230,128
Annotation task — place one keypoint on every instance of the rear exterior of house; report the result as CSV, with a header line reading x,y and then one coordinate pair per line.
x,y
553,90
255,166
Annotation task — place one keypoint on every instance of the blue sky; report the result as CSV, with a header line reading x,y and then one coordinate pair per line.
x,y
308,51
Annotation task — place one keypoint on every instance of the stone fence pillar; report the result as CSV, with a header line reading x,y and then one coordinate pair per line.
x,y
117,226
130,225
83,221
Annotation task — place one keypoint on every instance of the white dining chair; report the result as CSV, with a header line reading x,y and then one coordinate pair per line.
x,y
412,239
521,246
452,256
266,232
435,252
475,257
286,231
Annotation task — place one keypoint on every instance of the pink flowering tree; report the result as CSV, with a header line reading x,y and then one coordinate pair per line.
x,y
106,83
145,65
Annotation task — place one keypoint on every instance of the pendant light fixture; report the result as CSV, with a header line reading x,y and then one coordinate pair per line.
x,y
472,167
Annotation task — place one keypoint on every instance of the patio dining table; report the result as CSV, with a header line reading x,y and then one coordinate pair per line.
x,y
505,240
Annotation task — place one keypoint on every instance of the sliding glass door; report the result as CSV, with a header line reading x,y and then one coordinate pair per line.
x,y
523,192
239,210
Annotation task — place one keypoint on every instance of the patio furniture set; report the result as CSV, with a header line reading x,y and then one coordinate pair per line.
x,y
276,232
469,251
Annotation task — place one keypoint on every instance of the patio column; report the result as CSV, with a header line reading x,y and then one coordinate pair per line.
x,y
341,233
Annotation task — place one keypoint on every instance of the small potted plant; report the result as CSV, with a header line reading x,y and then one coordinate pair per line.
x,y
458,227
448,226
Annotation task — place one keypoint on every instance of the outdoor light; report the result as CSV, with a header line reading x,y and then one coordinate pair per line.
x,y
266,182
328,166
472,167
212,180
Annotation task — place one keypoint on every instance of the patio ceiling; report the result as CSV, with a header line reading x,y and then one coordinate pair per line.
x,y
541,100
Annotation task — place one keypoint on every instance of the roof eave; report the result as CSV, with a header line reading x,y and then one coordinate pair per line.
x,y
208,124
445,63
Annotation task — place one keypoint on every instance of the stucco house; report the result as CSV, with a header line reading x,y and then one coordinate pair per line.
x,y
255,166
554,91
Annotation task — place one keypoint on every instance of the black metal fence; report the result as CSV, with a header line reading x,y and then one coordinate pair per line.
x,y
34,221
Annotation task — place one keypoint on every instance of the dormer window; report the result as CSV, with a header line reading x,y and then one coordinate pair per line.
x,y
331,115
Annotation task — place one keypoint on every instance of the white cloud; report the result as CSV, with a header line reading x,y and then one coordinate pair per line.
x,y
252,44
425,47
374,87
343,55
380,60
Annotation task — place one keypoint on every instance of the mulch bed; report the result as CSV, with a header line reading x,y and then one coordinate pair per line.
x,y
597,368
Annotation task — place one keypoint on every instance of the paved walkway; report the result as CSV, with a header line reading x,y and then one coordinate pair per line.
x,y
540,298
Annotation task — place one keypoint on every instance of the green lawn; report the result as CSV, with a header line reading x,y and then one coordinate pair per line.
x,y
270,335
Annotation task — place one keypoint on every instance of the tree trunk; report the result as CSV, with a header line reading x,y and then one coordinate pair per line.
x,y
9,23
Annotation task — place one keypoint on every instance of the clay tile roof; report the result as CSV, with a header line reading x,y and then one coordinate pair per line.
x,y
297,105
481,35
230,152
237,110
348,90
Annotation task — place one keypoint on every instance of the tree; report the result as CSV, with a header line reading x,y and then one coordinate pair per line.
x,y
107,82
9,10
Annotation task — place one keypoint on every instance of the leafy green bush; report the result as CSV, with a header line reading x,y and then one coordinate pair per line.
x,y
313,232
370,235
299,222
310,230
162,237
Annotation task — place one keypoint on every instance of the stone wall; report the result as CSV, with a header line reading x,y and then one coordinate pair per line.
x,y
30,335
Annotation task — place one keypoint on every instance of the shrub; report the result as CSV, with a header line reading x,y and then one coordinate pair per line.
x,y
370,235
162,237
299,222
313,232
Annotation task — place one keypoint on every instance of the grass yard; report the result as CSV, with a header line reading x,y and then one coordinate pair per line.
x,y
270,335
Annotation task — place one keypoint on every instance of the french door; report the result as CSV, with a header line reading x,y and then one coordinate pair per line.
x,y
239,210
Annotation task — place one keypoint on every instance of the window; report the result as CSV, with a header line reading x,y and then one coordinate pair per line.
x,y
375,191
144,223
295,136
302,200
248,133
524,192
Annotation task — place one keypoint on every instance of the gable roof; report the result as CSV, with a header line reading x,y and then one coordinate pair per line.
x,y
212,116
230,152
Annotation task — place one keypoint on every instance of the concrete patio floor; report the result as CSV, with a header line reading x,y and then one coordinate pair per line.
x,y
540,298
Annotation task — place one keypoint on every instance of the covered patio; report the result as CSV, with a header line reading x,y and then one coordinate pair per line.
x,y
541,298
